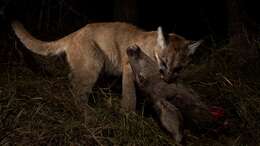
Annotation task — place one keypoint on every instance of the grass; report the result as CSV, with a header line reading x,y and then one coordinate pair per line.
x,y
38,109
226,82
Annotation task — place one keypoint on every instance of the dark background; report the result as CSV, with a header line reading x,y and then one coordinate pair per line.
x,y
215,21
192,19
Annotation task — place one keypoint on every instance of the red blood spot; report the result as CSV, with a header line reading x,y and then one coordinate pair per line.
x,y
217,112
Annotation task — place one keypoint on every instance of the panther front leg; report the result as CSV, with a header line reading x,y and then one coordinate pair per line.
x,y
128,102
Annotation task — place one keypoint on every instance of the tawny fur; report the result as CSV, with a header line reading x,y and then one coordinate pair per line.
x,y
102,46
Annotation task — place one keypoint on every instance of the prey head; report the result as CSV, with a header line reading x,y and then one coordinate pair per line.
x,y
142,65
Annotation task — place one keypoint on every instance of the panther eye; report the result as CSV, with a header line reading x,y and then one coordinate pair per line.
x,y
164,64
161,71
162,67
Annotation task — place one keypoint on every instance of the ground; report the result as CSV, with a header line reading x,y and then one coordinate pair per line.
x,y
38,108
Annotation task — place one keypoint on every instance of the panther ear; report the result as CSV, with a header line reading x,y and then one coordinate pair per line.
x,y
193,45
161,41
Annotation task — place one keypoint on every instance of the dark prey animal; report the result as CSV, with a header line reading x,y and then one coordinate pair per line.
x,y
168,99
